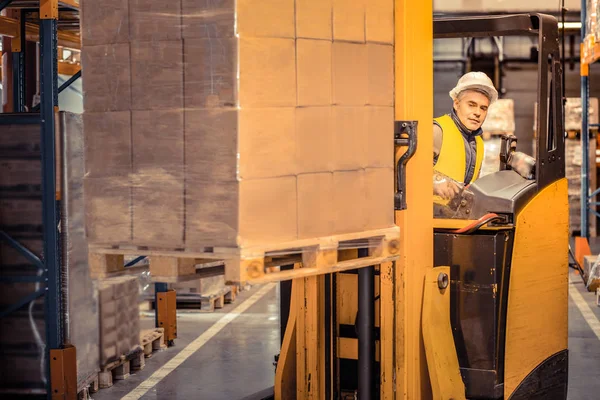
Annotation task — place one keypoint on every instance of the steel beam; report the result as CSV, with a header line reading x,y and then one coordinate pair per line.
x,y
10,27
21,249
48,107
366,330
22,279
18,58
19,119
23,301
158,288
135,261
4,4
413,102
585,137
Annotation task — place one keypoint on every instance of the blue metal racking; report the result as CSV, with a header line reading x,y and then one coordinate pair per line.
x,y
50,262
585,137
587,198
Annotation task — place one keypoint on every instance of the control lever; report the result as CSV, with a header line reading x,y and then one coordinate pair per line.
x,y
405,135
510,159
508,145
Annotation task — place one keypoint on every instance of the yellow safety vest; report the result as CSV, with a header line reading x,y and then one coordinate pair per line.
x,y
452,160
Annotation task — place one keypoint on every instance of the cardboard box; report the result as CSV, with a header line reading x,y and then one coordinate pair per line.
x,y
350,74
267,70
314,19
350,140
349,20
380,137
14,173
267,149
20,214
240,115
208,19
118,317
379,185
201,287
157,142
211,144
155,20
210,72
160,199
265,18
108,210
380,21
212,217
349,201
315,139
314,72
268,210
104,22
157,75
315,205
101,93
381,75
107,144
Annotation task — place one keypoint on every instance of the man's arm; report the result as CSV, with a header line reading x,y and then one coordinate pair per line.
x,y
437,141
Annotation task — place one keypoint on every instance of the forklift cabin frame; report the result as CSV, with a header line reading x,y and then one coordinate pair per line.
x,y
550,142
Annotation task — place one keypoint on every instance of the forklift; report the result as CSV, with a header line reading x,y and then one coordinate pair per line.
x,y
489,317
501,252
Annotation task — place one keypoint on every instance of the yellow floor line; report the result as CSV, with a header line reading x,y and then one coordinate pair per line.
x,y
585,309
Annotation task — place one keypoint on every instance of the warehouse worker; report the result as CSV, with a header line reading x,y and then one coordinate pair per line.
x,y
457,142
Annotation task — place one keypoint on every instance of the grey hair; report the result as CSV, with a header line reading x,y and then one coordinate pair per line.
x,y
483,92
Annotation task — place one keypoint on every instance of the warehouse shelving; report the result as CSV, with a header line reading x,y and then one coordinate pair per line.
x,y
46,32
590,53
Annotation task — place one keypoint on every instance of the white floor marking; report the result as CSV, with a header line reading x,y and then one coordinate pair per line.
x,y
194,346
585,309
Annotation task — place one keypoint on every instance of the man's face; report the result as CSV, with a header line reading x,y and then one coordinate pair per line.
x,y
471,108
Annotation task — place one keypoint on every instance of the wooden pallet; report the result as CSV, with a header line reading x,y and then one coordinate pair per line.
x,y
122,368
91,386
192,302
250,264
152,340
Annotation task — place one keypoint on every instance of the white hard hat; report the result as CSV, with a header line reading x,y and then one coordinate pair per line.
x,y
475,81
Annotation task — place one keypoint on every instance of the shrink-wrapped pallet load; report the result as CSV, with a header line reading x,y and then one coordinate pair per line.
x,y
22,333
234,124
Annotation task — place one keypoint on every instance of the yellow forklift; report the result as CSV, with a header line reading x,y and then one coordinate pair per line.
x,y
475,306
501,248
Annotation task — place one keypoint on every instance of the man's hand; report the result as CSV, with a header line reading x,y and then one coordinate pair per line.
x,y
445,187
523,164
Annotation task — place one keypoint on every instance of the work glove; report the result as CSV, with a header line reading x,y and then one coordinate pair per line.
x,y
445,187
522,164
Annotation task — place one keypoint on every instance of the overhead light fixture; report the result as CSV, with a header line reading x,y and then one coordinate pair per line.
x,y
570,25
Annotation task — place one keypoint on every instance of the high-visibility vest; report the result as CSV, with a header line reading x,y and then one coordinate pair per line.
x,y
452,160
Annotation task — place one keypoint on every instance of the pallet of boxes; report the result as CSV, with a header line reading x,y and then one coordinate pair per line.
x,y
237,131
500,120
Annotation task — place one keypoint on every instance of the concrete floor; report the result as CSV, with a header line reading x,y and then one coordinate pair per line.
x,y
238,360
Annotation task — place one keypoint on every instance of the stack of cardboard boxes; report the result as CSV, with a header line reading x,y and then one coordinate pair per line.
x,y
119,317
229,123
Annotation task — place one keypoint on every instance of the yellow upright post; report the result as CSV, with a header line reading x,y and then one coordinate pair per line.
x,y
414,102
